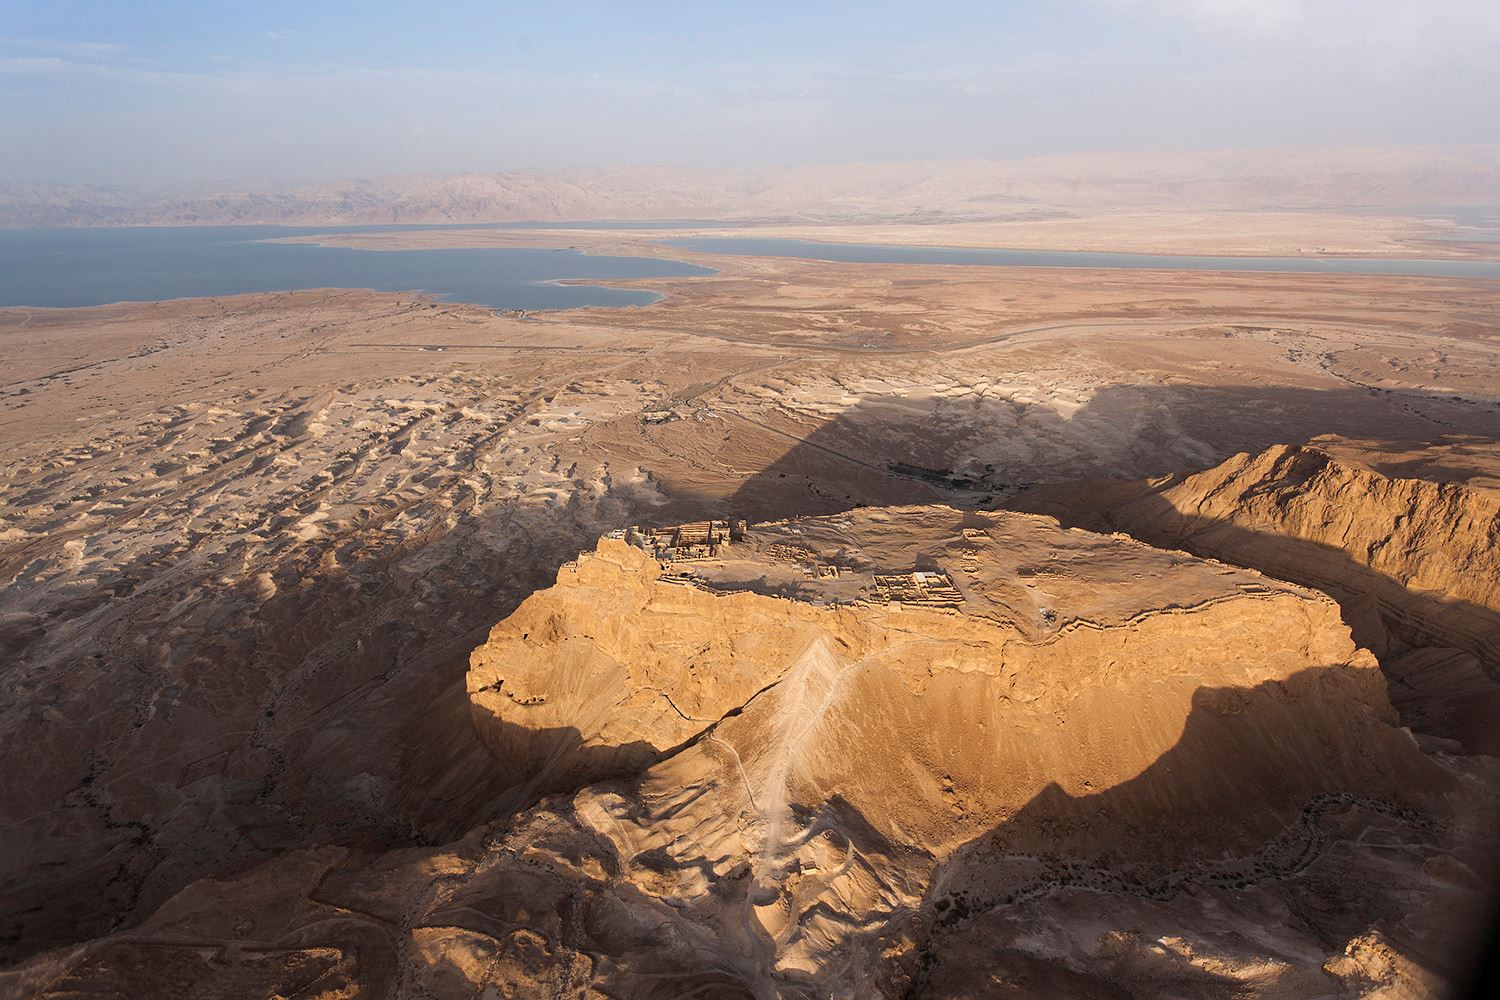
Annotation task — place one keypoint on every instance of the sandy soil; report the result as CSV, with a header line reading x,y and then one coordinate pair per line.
x,y
249,543
1213,232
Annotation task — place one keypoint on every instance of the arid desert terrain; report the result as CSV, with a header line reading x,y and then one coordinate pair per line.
x,y
822,630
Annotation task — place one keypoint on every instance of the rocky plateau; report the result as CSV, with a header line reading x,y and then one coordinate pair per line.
x,y
821,631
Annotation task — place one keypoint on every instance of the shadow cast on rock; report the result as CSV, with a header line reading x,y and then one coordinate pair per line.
x,y
1383,613
1266,786
977,450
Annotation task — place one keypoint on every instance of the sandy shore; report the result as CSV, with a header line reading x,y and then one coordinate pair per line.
x,y
1244,234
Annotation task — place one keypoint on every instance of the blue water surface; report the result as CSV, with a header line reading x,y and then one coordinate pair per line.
x,y
85,267
870,253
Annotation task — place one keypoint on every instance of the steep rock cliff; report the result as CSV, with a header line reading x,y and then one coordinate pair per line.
x,y
901,752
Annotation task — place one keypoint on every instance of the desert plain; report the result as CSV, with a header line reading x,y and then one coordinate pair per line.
x,y
1036,632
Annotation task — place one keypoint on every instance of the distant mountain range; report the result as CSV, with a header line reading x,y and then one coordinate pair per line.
x,y
1332,178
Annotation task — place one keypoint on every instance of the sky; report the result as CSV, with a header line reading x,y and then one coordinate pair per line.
x,y
170,95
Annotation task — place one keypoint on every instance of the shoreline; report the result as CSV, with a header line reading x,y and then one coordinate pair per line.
x,y
1336,236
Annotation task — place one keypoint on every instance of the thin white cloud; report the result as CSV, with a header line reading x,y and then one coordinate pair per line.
x,y
1155,73
71,48
33,65
1403,27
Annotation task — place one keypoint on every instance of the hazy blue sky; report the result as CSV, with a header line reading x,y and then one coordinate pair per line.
x,y
162,94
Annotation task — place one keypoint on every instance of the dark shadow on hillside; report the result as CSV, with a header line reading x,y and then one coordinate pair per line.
x,y
339,715
886,452
978,452
1444,695
535,761
333,712
1270,786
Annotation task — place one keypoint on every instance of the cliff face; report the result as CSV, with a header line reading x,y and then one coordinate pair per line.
x,y
909,751
838,777
1426,553
1064,659
1414,560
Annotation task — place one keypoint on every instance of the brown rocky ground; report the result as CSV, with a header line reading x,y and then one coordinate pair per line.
x,y
1404,537
249,544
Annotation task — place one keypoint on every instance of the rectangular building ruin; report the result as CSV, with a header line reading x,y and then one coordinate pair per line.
x,y
923,588
696,541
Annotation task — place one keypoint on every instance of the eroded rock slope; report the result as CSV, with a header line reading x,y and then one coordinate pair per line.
x,y
1406,539
899,752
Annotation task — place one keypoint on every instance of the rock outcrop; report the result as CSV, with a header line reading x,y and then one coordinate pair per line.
x,y
1414,560
1063,657
900,752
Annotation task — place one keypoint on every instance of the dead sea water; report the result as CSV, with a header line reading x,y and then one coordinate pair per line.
x,y
869,253
88,267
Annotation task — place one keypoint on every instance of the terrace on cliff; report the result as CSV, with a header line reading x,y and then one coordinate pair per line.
x,y
815,560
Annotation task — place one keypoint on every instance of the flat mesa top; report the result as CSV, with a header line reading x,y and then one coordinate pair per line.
x,y
1470,461
1018,569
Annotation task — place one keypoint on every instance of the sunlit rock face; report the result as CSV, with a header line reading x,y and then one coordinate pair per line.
x,y
838,773
895,752
1405,537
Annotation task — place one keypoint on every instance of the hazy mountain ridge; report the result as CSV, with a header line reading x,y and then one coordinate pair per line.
x,y
1344,178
